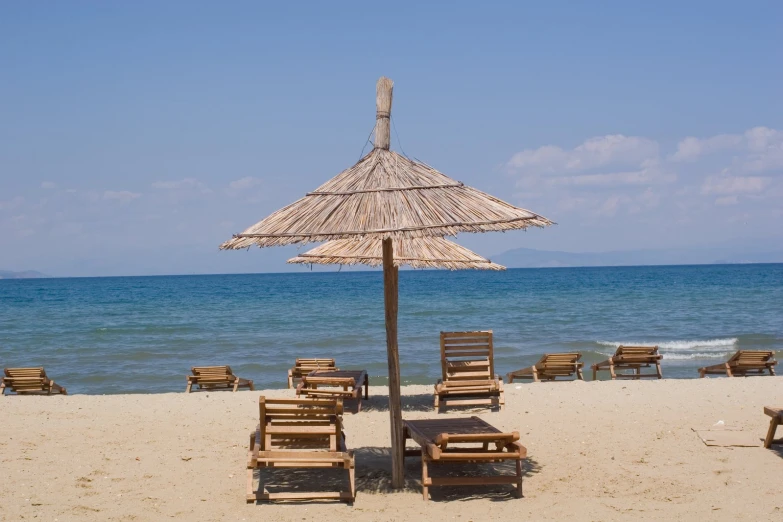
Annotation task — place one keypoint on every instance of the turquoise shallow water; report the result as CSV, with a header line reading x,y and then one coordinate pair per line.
x,y
142,334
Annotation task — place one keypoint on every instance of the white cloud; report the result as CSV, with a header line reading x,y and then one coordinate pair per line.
x,y
182,184
692,148
244,183
726,200
639,177
601,151
48,185
123,196
759,149
733,185
11,204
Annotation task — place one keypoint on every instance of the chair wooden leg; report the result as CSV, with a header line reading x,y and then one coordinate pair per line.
x,y
579,374
773,426
611,371
595,373
189,387
771,370
519,478
236,385
425,477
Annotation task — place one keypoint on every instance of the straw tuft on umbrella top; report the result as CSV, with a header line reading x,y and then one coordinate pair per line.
x,y
424,252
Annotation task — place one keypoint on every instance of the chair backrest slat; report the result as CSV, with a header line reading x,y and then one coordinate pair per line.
x,y
298,423
467,353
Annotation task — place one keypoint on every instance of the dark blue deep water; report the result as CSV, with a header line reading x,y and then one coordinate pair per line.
x,y
142,334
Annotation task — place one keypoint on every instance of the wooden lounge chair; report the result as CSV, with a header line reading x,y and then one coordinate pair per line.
x,y
463,440
216,378
742,364
344,384
777,420
468,369
551,366
299,433
304,366
632,358
29,381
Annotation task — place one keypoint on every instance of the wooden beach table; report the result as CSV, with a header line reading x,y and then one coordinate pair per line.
x,y
303,366
742,364
299,433
216,378
777,420
463,440
344,384
29,381
632,358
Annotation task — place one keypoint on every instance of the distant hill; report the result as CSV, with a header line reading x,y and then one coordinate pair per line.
x,y
26,274
530,258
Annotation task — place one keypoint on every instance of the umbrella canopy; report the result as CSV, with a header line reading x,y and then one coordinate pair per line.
x,y
384,197
424,252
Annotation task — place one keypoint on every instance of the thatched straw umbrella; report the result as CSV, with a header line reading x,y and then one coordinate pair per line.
x,y
386,196
420,252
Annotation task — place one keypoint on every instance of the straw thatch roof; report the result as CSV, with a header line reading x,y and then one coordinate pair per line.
x,y
425,252
386,195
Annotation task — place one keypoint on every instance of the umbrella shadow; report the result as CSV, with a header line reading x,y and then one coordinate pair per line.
x,y
418,402
373,475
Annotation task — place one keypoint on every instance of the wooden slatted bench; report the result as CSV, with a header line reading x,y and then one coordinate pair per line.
x,y
742,364
29,381
216,378
632,358
462,440
303,366
550,367
299,433
775,421
344,384
468,371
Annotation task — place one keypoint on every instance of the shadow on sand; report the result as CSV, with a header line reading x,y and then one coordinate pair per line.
x,y
373,475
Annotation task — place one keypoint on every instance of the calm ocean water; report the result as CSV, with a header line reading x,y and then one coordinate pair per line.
x,y
142,334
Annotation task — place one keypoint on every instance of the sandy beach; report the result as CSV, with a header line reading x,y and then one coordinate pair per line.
x,y
596,451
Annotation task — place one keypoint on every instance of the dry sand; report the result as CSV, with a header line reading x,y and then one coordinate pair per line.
x,y
597,451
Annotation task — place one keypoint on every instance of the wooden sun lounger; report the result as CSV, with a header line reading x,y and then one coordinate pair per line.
x,y
29,381
742,364
304,366
632,358
299,433
344,384
468,371
216,378
775,421
463,440
551,366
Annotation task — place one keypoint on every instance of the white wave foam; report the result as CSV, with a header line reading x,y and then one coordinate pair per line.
x,y
716,345
691,356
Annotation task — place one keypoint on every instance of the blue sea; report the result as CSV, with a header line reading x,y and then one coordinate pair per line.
x,y
142,334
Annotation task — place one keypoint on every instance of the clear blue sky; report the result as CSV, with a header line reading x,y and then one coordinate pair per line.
x,y
137,136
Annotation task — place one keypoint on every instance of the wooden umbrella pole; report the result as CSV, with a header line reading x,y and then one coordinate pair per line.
x,y
390,285
383,103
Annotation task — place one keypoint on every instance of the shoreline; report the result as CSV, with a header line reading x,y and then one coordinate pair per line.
x,y
595,451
